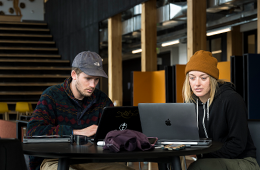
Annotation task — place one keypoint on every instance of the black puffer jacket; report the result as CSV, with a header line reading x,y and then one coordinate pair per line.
x,y
226,121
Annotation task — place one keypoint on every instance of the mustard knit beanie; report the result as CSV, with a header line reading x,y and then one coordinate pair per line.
x,y
203,61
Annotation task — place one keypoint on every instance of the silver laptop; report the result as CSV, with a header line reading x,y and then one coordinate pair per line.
x,y
171,123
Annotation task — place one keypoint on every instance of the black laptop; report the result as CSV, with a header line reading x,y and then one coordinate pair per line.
x,y
171,123
117,118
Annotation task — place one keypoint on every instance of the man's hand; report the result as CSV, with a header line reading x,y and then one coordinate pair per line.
x,y
89,131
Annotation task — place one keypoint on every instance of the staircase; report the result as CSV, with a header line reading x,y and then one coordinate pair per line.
x,y
29,62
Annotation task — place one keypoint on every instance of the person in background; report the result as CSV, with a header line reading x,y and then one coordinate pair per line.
x,y
221,116
73,107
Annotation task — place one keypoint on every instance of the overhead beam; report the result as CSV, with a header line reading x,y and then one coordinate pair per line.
x,y
234,42
149,36
196,26
115,84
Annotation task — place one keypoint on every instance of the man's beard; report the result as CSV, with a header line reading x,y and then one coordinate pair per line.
x,y
81,92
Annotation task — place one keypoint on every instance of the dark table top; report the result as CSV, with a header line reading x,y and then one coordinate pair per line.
x,y
92,151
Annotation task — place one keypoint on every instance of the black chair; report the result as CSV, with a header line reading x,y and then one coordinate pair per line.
x,y
11,154
254,126
19,126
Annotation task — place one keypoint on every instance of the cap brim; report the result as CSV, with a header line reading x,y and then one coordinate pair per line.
x,y
94,72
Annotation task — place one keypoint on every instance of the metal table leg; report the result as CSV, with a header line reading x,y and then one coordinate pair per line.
x,y
176,164
63,164
162,166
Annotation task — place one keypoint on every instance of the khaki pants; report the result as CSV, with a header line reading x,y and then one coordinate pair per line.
x,y
52,164
248,163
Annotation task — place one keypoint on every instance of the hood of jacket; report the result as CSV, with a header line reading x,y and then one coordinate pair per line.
x,y
204,108
223,87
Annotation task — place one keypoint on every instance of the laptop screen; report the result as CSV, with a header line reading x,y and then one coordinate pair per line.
x,y
118,118
169,121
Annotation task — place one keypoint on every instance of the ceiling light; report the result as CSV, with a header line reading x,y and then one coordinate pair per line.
x,y
137,51
216,52
219,31
170,43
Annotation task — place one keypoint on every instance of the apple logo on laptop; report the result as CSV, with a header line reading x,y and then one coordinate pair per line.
x,y
123,126
168,122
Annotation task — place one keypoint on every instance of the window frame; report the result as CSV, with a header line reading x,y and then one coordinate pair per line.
x,y
246,34
223,37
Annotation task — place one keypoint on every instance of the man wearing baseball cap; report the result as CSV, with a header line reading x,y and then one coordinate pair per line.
x,y
73,107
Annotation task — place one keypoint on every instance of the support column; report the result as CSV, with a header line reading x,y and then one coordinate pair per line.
x,y
234,42
149,36
115,84
196,26
258,26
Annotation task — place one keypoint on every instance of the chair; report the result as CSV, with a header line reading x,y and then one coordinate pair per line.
x,y
20,127
23,108
254,126
11,154
7,129
10,129
4,110
30,106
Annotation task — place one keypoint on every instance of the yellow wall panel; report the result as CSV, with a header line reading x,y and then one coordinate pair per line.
x,y
148,87
224,70
180,78
159,90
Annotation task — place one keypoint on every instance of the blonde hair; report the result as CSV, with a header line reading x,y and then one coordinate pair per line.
x,y
188,95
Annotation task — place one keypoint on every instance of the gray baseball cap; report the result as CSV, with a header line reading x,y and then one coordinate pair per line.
x,y
90,63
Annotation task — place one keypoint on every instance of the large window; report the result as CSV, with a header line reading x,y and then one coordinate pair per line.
x,y
217,44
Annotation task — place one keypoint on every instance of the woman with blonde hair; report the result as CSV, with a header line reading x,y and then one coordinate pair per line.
x,y
221,116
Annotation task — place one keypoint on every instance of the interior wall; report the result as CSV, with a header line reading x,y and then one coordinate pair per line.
x,y
32,10
129,66
75,24
163,60
183,53
174,55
